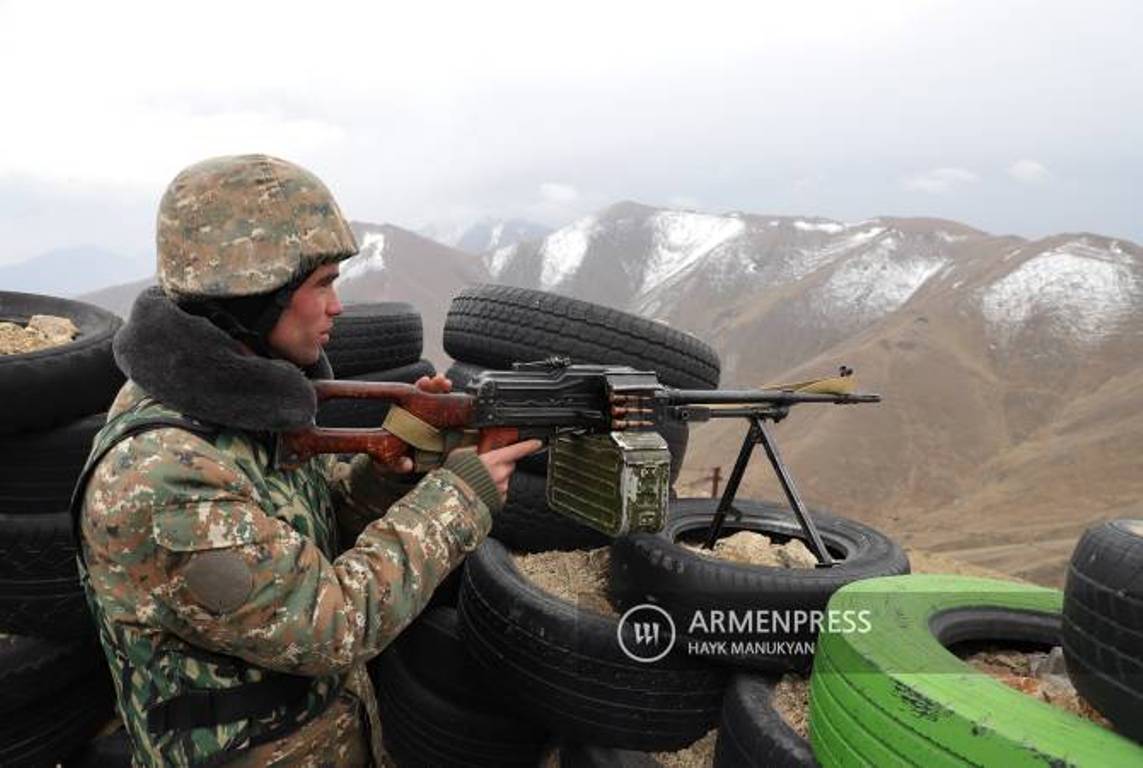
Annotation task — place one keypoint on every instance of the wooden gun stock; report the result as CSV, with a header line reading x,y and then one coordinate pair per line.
x,y
443,411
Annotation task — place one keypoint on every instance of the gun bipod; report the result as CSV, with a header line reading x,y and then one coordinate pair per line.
x,y
759,434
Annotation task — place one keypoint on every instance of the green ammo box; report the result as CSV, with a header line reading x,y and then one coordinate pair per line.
x,y
616,483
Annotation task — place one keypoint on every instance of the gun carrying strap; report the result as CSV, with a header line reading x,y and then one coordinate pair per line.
x,y
430,444
831,385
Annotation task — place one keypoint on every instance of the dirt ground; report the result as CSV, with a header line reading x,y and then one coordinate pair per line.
x,y
697,755
1036,673
578,577
792,701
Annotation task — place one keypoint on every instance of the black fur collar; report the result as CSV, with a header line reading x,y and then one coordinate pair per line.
x,y
189,364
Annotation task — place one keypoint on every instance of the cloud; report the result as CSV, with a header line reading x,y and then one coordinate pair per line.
x,y
120,147
940,180
555,192
1028,172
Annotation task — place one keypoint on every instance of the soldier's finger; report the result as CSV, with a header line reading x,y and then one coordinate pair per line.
x,y
516,451
400,466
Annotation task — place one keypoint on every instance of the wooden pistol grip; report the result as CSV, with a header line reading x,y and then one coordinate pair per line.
x,y
492,438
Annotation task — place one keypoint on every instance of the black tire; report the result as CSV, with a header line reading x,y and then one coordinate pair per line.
x,y
112,750
38,470
527,524
1103,622
40,390
591,756
374,337
751,733
40,594
435,654
32,669
353,412
564,667
496,326
425,729
53,730
656,568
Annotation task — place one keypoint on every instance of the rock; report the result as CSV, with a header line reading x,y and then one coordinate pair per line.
x,y
42,332
56,330
757,549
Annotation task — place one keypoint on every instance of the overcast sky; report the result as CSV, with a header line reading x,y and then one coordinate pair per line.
x,y
1013,116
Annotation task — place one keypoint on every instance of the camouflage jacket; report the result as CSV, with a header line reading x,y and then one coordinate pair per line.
x,y
207,569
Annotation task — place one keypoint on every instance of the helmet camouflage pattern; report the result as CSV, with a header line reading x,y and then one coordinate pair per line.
x,y
246,224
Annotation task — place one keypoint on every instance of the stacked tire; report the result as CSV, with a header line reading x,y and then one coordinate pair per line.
x,y
55,689
559,661
493,327
435,710
664,570
1103,622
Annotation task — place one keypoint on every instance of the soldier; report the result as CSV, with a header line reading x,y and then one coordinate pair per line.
x,y
235,627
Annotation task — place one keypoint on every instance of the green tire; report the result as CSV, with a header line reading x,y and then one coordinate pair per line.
x,y
893,695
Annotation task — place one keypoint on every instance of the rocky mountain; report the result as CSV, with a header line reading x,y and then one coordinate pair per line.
x,y
491,234
118,298
1011,369
71,271
485,235
398,265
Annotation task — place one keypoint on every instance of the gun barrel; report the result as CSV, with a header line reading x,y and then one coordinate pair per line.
x,y
759,396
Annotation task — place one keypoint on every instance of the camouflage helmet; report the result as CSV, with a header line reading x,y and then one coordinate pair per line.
x,y
243,225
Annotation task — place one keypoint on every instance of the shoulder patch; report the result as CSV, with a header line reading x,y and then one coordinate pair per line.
x,y
218,580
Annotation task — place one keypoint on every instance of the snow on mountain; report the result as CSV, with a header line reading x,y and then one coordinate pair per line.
x,y
490,234
811,257
878,280
829,227
495,236
496,260
563,251
681,239
845,274
371,258
1085,289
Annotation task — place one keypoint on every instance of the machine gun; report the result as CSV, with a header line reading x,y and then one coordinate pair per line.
x,y
607,466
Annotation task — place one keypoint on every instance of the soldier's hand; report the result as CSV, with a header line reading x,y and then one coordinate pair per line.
x,y
502,462
437,385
